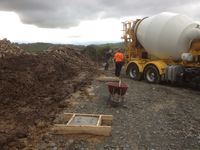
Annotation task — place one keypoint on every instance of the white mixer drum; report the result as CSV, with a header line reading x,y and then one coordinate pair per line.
x,y
167,35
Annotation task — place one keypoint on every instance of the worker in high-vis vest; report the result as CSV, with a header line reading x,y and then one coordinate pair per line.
x,y
119,61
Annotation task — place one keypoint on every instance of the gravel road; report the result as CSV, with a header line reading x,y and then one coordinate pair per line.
x,y
154,117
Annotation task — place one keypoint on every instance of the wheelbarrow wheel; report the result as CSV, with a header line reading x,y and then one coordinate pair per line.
x,y
116,100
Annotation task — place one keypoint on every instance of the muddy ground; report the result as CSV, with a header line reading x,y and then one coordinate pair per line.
x,y
154,117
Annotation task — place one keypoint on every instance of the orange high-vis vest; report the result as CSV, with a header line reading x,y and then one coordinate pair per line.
x,y
119,57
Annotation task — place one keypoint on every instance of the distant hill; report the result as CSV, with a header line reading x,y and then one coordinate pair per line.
x,y
112,45
35,47
95,51
39,47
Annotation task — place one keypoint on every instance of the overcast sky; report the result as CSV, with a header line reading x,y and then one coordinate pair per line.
x,y
80,21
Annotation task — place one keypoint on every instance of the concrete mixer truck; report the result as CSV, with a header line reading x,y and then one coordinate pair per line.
x,y
164,47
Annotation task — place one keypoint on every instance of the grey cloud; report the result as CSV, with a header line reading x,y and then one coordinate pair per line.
x,y
68,13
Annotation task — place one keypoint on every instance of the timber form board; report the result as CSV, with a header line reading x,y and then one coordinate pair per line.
x,y
98,124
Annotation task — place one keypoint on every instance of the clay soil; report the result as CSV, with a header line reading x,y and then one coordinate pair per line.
x,y
33,88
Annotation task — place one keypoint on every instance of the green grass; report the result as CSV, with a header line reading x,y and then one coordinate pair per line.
x,y
95,52
40,47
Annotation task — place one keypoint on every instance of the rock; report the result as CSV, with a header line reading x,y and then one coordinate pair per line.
x,y
12,144
90,91
21,133
52,145
198,139
127,146
40,124
22,144
63,104
43,146
54,148
76,95
70,141
5,147
46,138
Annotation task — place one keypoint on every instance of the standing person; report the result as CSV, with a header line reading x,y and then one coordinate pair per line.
x,y
108,55
119,61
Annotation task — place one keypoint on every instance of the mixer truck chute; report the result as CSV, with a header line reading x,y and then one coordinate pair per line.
x,y
164,47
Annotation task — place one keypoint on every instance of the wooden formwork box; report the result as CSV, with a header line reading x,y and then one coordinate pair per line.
x,y
102,125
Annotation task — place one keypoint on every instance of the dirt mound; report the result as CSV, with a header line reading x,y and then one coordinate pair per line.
x,y
33,88
8,48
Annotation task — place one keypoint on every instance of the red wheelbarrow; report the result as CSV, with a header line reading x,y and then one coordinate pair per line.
x,y
117,91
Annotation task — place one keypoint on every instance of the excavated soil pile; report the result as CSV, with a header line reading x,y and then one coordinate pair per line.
x,y
33,88
7,48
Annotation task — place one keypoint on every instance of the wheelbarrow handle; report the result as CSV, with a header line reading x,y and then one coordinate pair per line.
x,y
120,82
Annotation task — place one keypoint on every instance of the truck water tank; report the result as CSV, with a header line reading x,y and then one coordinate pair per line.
x,y
167,35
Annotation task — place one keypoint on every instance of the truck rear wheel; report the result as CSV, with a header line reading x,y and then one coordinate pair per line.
x,y
151,74
133,72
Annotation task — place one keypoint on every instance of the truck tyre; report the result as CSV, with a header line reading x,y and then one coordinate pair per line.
x,y
151,74
133,72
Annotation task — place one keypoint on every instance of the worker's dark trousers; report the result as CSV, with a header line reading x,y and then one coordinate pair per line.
x,y
106,65
118,67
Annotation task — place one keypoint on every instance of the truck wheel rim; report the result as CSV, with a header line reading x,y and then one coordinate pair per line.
x,y
133,73
151,75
